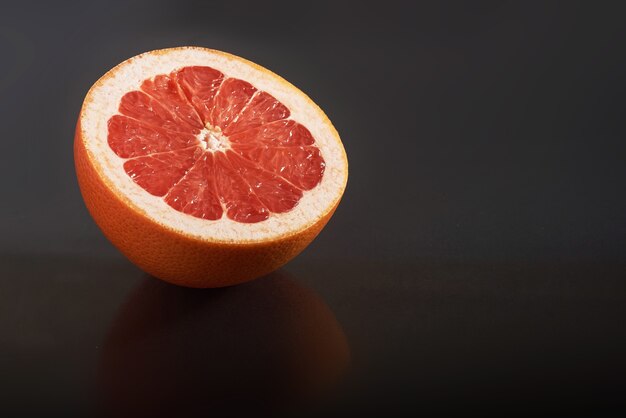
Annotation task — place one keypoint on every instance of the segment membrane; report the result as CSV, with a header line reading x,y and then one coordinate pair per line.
x,y
195,194
169,94
200,85
230,99
242,205
132,138
262,109
157,173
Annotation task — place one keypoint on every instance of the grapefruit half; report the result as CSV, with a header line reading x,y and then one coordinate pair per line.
x,y
205,169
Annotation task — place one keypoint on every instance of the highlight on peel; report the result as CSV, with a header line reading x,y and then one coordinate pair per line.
x,y
205,169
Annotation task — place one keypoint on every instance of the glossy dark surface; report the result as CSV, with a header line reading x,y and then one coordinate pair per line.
x,y
423,337
475,264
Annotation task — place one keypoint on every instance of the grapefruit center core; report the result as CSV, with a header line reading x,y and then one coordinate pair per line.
x,y
211,139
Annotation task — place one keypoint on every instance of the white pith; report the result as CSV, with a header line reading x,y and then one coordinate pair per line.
x,y
103,100
211,139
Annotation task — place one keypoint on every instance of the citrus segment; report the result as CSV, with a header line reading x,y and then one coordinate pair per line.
x,y
196,193
169,94
302,166
261,109
138,105
273,191
200,85
280,133
230,99
157,173
242,205
132,138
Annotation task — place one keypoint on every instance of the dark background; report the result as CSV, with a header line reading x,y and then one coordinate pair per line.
x,y
478,257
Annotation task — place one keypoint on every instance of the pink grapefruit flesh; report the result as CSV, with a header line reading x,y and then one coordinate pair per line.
x,y
212,145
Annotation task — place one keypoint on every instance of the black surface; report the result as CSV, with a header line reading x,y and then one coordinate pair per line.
x,y
477,259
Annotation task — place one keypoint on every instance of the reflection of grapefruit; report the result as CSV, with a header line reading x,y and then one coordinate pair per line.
x,y
256,348
205,169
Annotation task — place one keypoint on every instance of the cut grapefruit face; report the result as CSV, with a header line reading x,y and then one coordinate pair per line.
x,y
213,146
209,146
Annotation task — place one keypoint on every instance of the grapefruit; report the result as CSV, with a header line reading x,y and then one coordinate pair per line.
x,y
205,169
